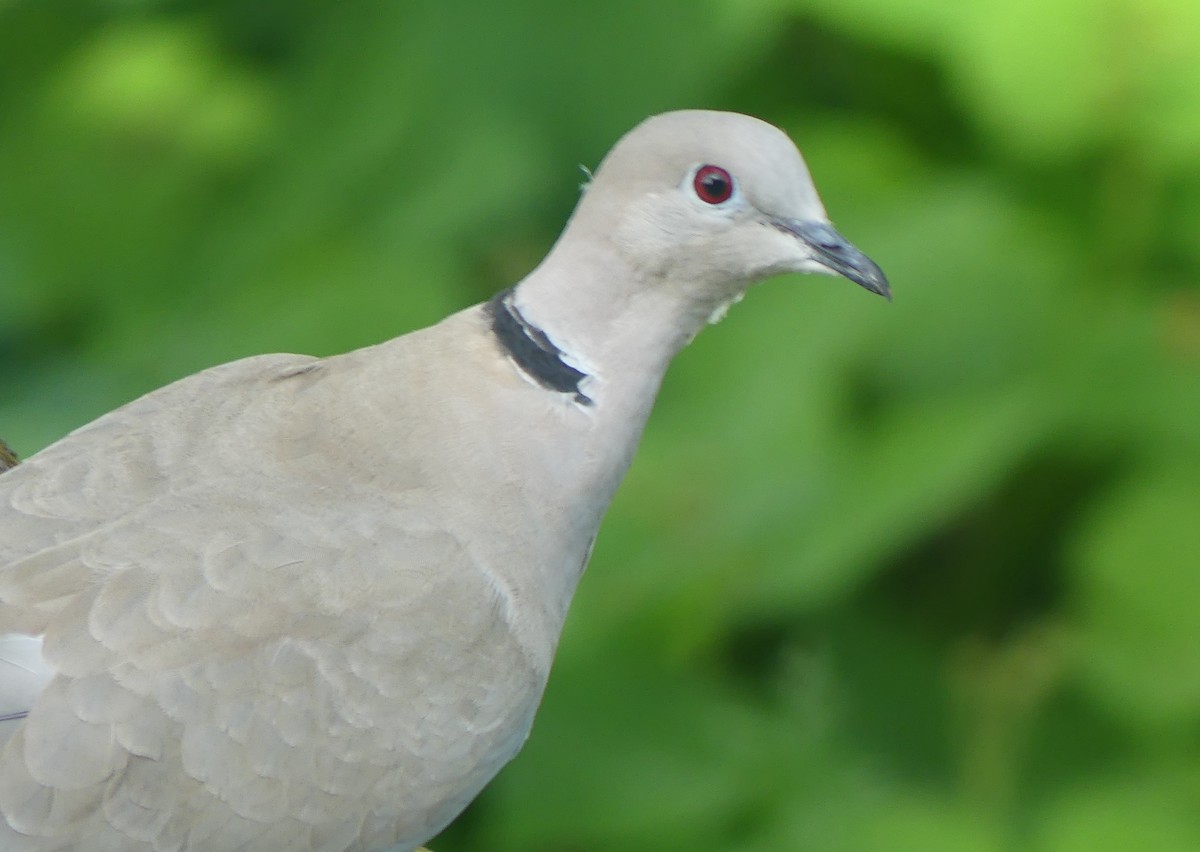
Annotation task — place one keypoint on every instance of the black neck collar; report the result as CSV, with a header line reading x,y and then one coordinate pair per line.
x,y
533,351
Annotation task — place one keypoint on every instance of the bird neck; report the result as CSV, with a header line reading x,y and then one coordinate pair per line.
x,y
532,350
599,316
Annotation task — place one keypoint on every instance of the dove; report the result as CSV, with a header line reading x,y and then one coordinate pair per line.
x,y
312,603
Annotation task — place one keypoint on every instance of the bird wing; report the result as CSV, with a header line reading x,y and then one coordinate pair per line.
x,y
23,674
256,642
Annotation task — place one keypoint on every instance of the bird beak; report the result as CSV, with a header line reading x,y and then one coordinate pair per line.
x,y
836,253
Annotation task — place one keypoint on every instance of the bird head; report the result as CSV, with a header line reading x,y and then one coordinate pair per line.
x,y
717,200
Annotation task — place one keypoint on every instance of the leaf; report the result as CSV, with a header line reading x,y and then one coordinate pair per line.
x,y
1137,592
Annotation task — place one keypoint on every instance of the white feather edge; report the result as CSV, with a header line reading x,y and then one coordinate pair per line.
x,y
23,675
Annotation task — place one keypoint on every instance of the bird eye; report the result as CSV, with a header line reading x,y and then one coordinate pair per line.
x,y
712,184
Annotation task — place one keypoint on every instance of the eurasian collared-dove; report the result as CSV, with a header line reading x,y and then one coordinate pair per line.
x,y
296,603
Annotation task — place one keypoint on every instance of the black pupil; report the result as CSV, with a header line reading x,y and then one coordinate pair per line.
x,y
715,185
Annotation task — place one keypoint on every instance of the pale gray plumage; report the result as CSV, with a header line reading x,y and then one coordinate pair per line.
x,y
311,604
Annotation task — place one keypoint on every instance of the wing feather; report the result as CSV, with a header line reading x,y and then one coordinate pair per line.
x,y
251,654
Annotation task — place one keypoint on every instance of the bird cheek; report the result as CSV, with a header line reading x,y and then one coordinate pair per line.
x,y
803,262
781,254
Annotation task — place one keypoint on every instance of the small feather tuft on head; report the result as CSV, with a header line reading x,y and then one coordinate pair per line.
x,y
588,177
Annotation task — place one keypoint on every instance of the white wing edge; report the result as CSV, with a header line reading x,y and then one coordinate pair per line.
x,y
23,676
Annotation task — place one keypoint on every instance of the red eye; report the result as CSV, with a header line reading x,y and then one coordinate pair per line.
x,y
712,184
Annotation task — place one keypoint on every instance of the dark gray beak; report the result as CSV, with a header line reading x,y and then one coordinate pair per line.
x,y
836,252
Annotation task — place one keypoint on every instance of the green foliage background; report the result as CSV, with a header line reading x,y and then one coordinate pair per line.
x,y
919,577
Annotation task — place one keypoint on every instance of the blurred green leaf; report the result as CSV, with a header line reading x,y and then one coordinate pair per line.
x,y
1138,594
1108,815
